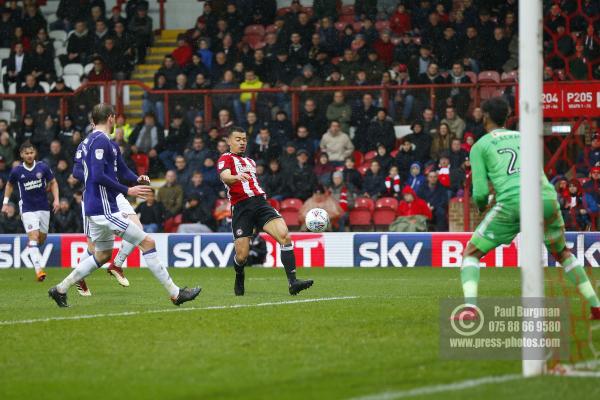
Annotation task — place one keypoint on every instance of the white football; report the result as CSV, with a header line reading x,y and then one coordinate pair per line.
x,y
317,220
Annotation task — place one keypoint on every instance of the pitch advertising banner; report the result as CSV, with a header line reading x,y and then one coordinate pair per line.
x,y
368,249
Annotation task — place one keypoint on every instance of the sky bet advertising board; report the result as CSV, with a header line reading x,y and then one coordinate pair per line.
x,y
369,249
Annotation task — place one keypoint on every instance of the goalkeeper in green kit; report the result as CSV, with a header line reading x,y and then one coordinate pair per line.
x,y
496,157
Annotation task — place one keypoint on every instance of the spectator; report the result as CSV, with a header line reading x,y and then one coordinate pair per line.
x,y
579,64
459,176
44,135
302,179
400,21
276,183
243,105
340,111
444,171
361,119
183,53
79,45
385,160
151,214
384,48
344,197
99,73
436,197
141,27
475,123
169,70
455,123
590,156
115,59
412,213
7,145
441,142
468,142
266,149
313,120
430,123
306,80
42,65
195,218
497,51
352,178
592,195
415,179
298,53
405,158
303,141
26,130
31,86
422,142
373,185
175,142
18,65
392,182
195,156
184,174
381,131
281,128
65,220
56,154
448,48
321,198
148,138
336,144
456,155
431,77
373,66
419,65
196,185
171,195
324,169
473,49
10,223
574,208
459,95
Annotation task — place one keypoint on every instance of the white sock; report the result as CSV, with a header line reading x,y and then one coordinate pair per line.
x,y
160,272
34,255
84,268
85,256
124,252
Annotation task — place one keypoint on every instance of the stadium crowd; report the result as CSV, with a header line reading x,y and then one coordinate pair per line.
x,y
342,150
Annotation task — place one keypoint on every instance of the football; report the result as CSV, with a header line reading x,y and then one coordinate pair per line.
x,y
317,220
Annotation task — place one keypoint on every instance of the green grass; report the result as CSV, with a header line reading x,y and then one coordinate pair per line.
x,y
384,340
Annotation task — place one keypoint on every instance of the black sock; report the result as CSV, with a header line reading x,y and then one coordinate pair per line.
x,y
239,268
289,261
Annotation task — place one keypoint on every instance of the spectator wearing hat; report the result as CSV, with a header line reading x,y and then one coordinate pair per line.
x,y
322,198
590,156
436,197
183,53
412,213
384,158
336,144
381,131
373,185
304,141
53,103
374,67
573,207
400,20
415,178
301,179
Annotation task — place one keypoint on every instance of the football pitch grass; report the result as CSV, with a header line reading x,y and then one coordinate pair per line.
x,y
355,333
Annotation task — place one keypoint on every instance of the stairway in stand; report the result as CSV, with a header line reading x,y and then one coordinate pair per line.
x,y
163,45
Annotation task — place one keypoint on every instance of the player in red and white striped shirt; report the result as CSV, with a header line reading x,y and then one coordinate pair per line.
x,y
251,210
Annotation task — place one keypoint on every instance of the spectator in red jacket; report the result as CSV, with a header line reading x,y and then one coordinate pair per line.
x,y
385,48
400,21
411,204
183,53
99,73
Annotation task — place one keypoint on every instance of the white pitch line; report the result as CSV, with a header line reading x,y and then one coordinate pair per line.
x,y
433,389
172,310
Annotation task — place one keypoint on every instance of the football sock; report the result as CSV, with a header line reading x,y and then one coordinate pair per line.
x,y
34,255
85,255
469,276
239,267
124,252
160,272
82,270
289,261
576,274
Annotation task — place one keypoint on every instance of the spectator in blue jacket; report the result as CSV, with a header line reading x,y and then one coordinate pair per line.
x,y
436,197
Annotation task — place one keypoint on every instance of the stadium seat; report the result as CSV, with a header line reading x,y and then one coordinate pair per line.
x,y
365,203
4,53
347,10
58,45
72,81
73,69
282,11
271,29
346,19
11,107
489,76
369,155
5,115
171,224
385,212
393,153
472,75
88,68
255,30
12,88
45,86
340,25
274,203
358,157
361,215
58,35
142,163
289,210
357,26
291,204
60,51
363,169
254,41
509,76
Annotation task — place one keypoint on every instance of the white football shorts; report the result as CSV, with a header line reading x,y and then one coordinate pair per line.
x,y
36,220
124,207
103,228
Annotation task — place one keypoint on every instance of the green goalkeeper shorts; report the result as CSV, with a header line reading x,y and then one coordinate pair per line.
x,y
502,224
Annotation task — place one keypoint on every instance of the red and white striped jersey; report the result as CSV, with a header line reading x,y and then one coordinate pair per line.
x,y
240,191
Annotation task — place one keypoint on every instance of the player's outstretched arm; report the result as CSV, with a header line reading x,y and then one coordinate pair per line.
x,y
8,189
228,178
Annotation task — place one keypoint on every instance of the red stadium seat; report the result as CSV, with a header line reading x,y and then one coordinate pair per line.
x,y
171,224
271,29
369,155
291,204
358,157
255,30
357,26
509,76
389,203
489,76
472,75
361,215
274,203
393,153
340,25
363,168
254,41
142,163
283,10
364,202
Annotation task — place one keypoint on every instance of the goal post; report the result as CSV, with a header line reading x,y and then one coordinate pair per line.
x,y
531,127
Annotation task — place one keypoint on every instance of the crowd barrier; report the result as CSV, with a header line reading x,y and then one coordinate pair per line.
x,y
312,250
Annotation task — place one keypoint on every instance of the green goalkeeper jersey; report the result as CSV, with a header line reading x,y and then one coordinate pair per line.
x,y
496,157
